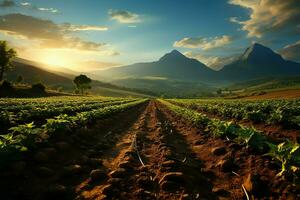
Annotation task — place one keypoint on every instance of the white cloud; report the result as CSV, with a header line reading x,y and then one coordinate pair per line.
x,y
213,62
204,43
53,10
124,17
42,9
291,51
25,4
267,16
71,27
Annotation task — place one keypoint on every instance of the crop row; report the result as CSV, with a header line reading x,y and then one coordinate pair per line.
x,y
23,137
14,105
284,112
15,101
8,119
286,153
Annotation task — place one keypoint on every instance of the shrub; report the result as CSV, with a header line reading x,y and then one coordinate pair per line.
x,y
6,86
60,89
38,87
76,91
6,89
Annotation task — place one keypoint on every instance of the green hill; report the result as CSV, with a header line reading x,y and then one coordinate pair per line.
x,y
34,73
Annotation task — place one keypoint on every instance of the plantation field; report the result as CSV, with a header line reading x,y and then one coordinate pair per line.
x,y
279,94
70,147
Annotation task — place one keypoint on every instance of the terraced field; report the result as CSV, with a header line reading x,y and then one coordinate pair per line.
x,y
104,148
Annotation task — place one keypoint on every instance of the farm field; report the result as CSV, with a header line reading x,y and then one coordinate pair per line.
x,y
144,100
284,94
132,148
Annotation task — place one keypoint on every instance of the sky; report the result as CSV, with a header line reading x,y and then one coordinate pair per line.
x,y
86,35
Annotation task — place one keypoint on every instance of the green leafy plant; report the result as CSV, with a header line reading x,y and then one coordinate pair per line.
x,y
60,123
288,154
9,142
276,116
255,116
223,129
251,138
25,135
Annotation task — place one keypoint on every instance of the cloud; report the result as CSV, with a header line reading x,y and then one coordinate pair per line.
x,y
269,16
124,17
291,52
72,27
235,20
204,43
46,32
213,62
7,3
11,3
34,7
25,4
53,10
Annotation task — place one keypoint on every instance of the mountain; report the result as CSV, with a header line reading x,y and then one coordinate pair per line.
x,y
258,61
175,74
172,75
172,65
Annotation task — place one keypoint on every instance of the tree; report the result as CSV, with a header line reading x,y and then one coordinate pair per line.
x,y
19,79
60,89
82,83
38,87
6,56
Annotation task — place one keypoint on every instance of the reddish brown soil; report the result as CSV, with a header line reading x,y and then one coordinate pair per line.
x,y
176,162
282,94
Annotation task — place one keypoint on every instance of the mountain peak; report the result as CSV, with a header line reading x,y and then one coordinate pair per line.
x,y
175,52
173,55
258,45
258,53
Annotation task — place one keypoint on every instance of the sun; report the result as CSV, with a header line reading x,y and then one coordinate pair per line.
x,y
53,58
56,59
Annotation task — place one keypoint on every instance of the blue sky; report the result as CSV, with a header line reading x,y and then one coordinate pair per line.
x,y
136,31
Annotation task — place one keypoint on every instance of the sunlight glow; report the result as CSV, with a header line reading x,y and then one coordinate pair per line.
x,y
56,59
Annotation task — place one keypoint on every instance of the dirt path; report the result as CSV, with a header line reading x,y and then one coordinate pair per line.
x,y
166,168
